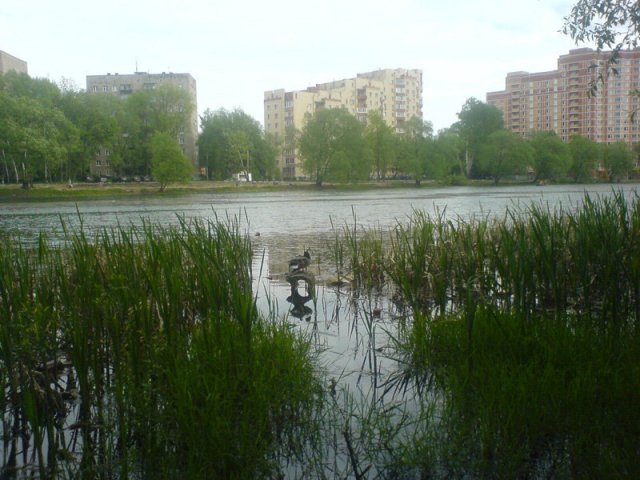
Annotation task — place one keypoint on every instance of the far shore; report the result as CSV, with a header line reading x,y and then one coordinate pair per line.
x,y
87,191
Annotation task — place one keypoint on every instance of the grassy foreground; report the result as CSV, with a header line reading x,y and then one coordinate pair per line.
x,y
139,353
525,333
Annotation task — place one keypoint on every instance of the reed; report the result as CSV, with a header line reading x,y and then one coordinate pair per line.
x,y
140,352
535,360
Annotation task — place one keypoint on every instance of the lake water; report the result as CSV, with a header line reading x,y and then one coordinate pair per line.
x,y
349,328
289,222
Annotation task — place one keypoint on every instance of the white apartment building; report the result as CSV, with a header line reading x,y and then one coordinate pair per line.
x,y
395,93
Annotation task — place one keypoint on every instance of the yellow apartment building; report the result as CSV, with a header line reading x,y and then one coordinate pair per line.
x,y
125,85
561,100
9,62
395,93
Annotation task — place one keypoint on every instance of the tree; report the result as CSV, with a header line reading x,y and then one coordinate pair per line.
x,y
584,158
477,120
380,140
229,140
35,135
168,163
416,148
551,156
97,118
166,108
446,156
618,159
503,154
332,147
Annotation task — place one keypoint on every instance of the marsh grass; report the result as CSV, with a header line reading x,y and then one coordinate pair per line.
x,y
140,352
533,344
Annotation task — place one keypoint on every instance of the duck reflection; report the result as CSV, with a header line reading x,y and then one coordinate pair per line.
x,y
302,287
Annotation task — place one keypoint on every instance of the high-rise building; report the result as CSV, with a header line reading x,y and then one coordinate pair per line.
x,y
395,93
563,100
125,85
9,62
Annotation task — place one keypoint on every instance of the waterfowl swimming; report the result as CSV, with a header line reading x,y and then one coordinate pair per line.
x,y
300,262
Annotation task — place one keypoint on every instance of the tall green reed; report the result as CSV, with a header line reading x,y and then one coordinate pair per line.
x,y
163,342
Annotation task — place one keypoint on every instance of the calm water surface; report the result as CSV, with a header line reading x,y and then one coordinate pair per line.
x,y
341,323
287,223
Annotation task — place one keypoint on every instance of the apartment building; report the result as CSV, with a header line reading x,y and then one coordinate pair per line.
x,y
9,62
125,85
562,100
395,93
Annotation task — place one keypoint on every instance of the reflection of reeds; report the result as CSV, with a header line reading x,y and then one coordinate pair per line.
x,y
176,371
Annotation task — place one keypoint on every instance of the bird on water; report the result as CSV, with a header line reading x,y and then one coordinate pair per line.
x,y
300,262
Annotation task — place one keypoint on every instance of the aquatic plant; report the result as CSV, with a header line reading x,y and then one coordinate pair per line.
x,y
140,352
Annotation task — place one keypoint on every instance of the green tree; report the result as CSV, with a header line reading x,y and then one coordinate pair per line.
x,y
503,154
446,156
332,147
618,160
168,163
380,140
166,108
416,143
477,120
552,158
35,135
223,133
98,120
584,158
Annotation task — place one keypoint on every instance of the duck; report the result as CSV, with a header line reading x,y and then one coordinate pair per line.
x,y
300,262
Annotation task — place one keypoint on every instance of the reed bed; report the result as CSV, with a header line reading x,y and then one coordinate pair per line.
x,y
139,353
526,328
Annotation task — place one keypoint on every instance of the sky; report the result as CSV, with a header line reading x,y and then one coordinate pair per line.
x,y
238,49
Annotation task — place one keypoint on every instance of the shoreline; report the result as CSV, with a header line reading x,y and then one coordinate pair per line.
x,y
88,191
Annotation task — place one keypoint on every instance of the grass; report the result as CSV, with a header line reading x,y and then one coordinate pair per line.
x,y
140,353
531,342
161,366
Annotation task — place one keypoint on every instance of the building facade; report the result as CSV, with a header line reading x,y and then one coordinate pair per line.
x,y
9,63
563,101
395,93
125,85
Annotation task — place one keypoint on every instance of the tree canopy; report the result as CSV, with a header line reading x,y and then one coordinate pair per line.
x,y
477,120
231,142
551,156
503,154
168,163
332,147
584,158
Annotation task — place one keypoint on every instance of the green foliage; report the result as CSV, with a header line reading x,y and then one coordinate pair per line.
x,y
416,148
524,333
166,109
144,346
35,136
585,155
231,142
618,159
610,24
552,158
333,147
168,163
477,120
381,143
504,154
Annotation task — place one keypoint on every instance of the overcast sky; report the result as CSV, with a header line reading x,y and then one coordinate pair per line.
x,y
237,49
